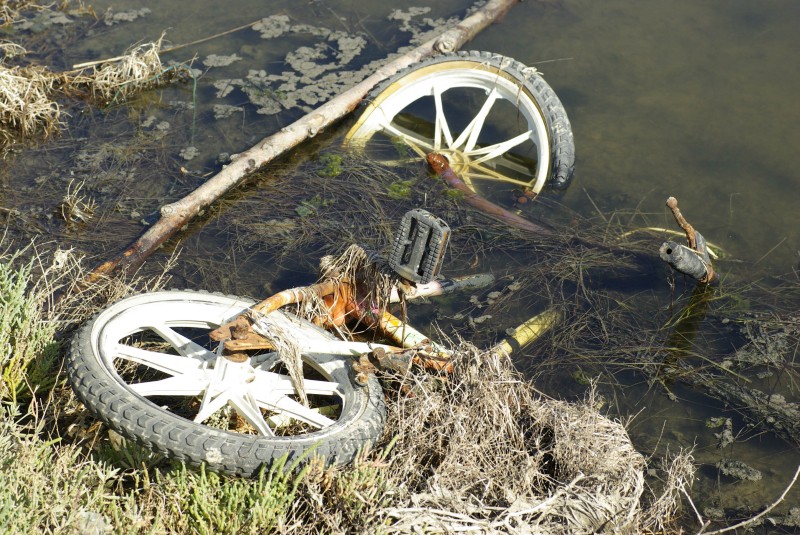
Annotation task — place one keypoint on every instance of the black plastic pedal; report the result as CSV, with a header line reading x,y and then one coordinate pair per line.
x,y
419,246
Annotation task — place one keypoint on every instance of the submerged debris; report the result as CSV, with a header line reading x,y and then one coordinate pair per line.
x,y
189,153
115,17
215,60
738,470
725,436
77,207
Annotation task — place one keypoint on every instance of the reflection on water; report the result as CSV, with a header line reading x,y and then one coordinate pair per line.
x,y
695,100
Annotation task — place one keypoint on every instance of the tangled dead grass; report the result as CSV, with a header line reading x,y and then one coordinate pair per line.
x,y
482,451
25,104
138,69
11,11
28,95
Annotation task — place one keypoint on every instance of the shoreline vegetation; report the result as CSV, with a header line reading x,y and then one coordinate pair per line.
x,y
442,463
30,95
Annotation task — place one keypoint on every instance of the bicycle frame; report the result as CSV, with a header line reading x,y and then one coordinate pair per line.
x,y
412,346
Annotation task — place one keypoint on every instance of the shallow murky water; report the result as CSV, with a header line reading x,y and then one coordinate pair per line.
x,y
686,99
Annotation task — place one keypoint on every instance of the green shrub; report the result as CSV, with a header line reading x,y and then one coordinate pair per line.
x,y
28,351
205,502
45,486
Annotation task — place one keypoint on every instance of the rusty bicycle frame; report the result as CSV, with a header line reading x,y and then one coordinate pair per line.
x,y
342,304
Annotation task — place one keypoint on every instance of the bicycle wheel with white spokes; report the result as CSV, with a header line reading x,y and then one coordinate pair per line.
x,y
496,120
147,367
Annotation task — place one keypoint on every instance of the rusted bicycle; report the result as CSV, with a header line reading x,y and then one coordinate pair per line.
x,y
222,380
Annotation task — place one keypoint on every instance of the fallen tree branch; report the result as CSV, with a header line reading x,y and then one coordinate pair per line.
x,y
176,215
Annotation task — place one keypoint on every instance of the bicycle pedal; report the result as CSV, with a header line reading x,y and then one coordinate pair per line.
x,y
419,246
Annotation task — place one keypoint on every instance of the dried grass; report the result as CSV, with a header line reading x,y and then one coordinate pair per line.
x,y
11,10
28,95
481,451
573,470
25,103
374,276
138,69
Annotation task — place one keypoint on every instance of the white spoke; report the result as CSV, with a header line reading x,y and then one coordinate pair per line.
x,y
507,163
441,126
481,172
322,388
182,345
185,385
247,407
469,137
284,385
419,145
284,404
498,149
163,362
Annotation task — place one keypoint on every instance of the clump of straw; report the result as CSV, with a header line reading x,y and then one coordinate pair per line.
x,y
138,69
480,451
28,94
25,104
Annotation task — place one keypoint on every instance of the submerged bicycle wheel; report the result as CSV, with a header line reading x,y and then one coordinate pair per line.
x,y
495,119
147,367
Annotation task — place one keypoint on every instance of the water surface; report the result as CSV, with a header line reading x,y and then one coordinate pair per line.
x,y
695,100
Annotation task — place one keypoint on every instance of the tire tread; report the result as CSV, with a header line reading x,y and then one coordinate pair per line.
x,y
139,420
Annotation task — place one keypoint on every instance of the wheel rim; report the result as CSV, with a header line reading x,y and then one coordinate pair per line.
x,y
424,110
161,352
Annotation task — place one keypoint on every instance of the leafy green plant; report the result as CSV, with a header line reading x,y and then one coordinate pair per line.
x,y
310,206
123,453
453,194
332,165
351,495
46,486
400,189
211,503
27,349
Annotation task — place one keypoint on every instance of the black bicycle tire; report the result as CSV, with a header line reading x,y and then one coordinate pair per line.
x,y
136,418
562,143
